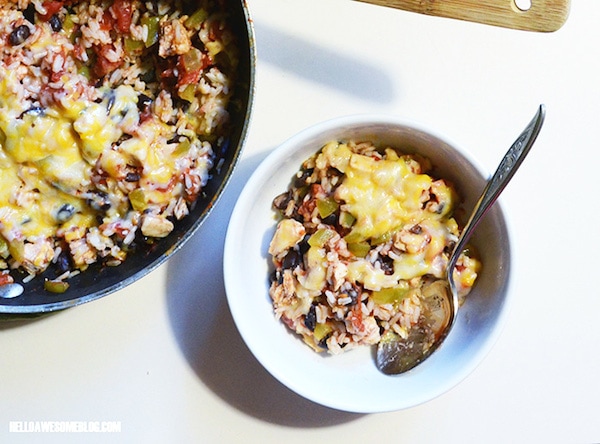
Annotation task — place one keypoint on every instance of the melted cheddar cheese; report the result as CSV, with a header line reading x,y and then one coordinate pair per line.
x,y
103,141
48,157
386,195
382,194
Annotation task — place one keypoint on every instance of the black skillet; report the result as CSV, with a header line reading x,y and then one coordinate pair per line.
x,y
100,280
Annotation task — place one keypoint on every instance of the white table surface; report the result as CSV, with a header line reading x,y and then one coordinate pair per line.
x,y
162,357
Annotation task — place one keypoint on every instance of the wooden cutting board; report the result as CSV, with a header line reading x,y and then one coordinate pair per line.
x,y
541,15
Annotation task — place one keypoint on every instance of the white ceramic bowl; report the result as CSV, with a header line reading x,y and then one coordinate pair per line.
x,y
351,381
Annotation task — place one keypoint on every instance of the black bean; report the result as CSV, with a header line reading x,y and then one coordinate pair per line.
x,y
331,219
323,342
303,246
63,262
302,176
65,213
111,102
281,202
34,110
353,294
55,23
291,260
387,264
143,102
99,201
19,35
132,177
310,320
416,229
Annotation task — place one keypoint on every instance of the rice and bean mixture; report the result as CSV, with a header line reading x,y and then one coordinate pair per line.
x,y
364,233
111,112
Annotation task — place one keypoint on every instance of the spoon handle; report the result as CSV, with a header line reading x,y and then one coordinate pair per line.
x,y
506,170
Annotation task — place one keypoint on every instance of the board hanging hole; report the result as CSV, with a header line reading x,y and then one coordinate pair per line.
x,y
523,5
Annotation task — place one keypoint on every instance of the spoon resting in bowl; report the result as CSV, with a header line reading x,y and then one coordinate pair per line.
x,y
439,303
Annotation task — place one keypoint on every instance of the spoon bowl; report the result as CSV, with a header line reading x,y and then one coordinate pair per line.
x,y
396,354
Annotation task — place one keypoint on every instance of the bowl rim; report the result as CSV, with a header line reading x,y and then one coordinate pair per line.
x,y
295,144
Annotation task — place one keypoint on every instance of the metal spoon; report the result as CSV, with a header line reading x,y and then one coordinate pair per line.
x,y
397,355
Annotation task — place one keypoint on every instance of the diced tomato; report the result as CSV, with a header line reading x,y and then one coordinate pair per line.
x,y
6,279
122,12
104,66
51,7
190,67
356,318
107,22
187,78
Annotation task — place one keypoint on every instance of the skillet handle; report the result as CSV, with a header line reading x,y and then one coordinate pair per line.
x,y
542,15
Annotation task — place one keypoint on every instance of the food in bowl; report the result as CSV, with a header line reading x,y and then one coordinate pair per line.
x,y
365,234
351,381
111,112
